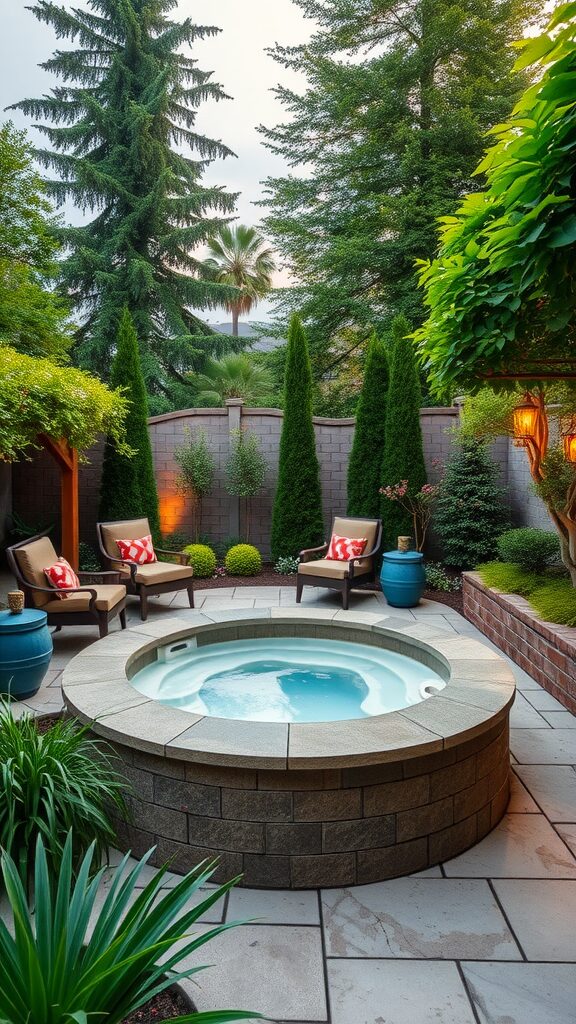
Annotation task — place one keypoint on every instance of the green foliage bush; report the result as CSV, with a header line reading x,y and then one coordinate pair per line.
x,y
555,601
529,548
365,465
202,559
471,510
403,454
438,579
509,578
286,566
57,969
243,560
196,473
49,784
87,558
128,487
245,470
297,520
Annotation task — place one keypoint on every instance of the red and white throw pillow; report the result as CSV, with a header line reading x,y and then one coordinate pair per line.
x,y
140,550
61,575
343,548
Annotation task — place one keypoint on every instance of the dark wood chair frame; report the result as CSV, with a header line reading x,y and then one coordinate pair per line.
x,y
92,615
141,590
351,579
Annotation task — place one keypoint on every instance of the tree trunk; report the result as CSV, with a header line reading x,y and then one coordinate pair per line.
x,y
235,318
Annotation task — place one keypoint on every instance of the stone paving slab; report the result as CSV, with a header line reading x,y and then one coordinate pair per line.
x,y
521,846
553,787
522,993
542,915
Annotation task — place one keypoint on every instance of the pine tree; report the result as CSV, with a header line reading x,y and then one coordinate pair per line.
x,y
388,131
365,465
297,520
128,487
130,93
403,453
471,510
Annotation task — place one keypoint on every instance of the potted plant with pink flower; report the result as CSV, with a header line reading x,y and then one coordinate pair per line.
x,y
402,577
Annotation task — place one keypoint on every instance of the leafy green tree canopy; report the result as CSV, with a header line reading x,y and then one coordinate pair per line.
x,y
502,292
128,486
33,319
239,257
129,97
383,140
365,465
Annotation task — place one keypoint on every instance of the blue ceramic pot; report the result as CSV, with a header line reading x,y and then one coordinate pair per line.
x,y
25,652
402,578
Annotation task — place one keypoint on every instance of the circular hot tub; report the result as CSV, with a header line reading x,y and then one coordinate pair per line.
x,y
301,748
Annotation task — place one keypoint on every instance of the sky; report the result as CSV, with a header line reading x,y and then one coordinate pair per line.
x,y
239,61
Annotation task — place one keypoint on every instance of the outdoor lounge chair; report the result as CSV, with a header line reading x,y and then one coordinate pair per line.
x,y
151,578
320,571
91,604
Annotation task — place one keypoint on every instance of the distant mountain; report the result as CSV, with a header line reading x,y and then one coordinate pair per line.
x,y
246,330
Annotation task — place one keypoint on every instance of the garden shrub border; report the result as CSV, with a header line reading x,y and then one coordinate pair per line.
x,y
545,650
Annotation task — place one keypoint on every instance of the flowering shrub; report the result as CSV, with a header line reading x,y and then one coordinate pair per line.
x,y
287,565
418,504
438,579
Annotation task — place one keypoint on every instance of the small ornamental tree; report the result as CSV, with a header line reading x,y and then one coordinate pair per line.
x,y
403,454
297,520
196,473
364,468
471,511
245,471
128,487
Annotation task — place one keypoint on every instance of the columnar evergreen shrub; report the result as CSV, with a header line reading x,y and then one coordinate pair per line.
x,y
471,511
297,516
364,468
128,487
403,454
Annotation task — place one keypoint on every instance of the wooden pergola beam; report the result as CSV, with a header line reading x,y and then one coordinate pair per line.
x,y
67,459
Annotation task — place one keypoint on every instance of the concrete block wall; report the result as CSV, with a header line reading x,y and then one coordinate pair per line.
x,y
35,483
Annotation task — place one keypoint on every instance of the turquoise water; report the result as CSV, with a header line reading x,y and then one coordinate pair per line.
x,y
286,679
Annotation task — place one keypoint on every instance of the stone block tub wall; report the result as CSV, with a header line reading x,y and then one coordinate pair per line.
x,y
278,831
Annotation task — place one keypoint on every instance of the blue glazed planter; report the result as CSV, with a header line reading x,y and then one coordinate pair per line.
x,y
402,578
25,652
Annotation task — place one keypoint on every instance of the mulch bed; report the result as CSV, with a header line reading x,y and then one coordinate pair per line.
x,y
269,578
166,1006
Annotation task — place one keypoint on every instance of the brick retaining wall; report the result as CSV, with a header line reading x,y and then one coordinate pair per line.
x,y
546,651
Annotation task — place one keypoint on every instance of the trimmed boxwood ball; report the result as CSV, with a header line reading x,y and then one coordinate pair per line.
x,y
529,547
202,559
243,560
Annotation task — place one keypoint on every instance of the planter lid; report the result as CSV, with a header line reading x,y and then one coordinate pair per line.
x,y
22,622
403,556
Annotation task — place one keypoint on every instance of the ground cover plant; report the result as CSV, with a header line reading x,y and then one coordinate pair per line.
x,y
49,785
551,595
54,971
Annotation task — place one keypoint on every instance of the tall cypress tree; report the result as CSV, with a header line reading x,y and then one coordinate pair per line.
x,y
398,96
365,465
403,453
297,520
130,92
128,487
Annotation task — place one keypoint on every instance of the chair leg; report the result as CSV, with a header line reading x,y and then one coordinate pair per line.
x,y
346,595
143,604
57,629
122,617
190,596
299,589
103,625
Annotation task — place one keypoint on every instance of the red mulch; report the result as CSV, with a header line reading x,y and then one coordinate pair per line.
x,y
166,1006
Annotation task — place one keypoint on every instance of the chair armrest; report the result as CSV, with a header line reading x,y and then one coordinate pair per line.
x,y
55,592
133,566
312,551
180,555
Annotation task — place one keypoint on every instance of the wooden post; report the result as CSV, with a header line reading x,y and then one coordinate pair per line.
x,y
67,459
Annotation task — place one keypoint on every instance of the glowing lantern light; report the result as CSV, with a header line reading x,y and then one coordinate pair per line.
x,y
569,438
525,420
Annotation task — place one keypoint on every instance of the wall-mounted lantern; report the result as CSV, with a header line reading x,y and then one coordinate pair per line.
x,y
568,429
525,420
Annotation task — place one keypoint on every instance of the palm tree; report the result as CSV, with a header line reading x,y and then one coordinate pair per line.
x,y
236,375
238,257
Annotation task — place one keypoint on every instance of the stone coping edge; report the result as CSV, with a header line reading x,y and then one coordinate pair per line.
x,y
479,693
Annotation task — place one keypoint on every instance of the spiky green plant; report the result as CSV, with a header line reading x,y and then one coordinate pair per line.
x,y
49,785
53,970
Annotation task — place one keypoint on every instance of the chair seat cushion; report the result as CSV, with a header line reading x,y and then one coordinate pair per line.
x,y
160,572
108,596
332,569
